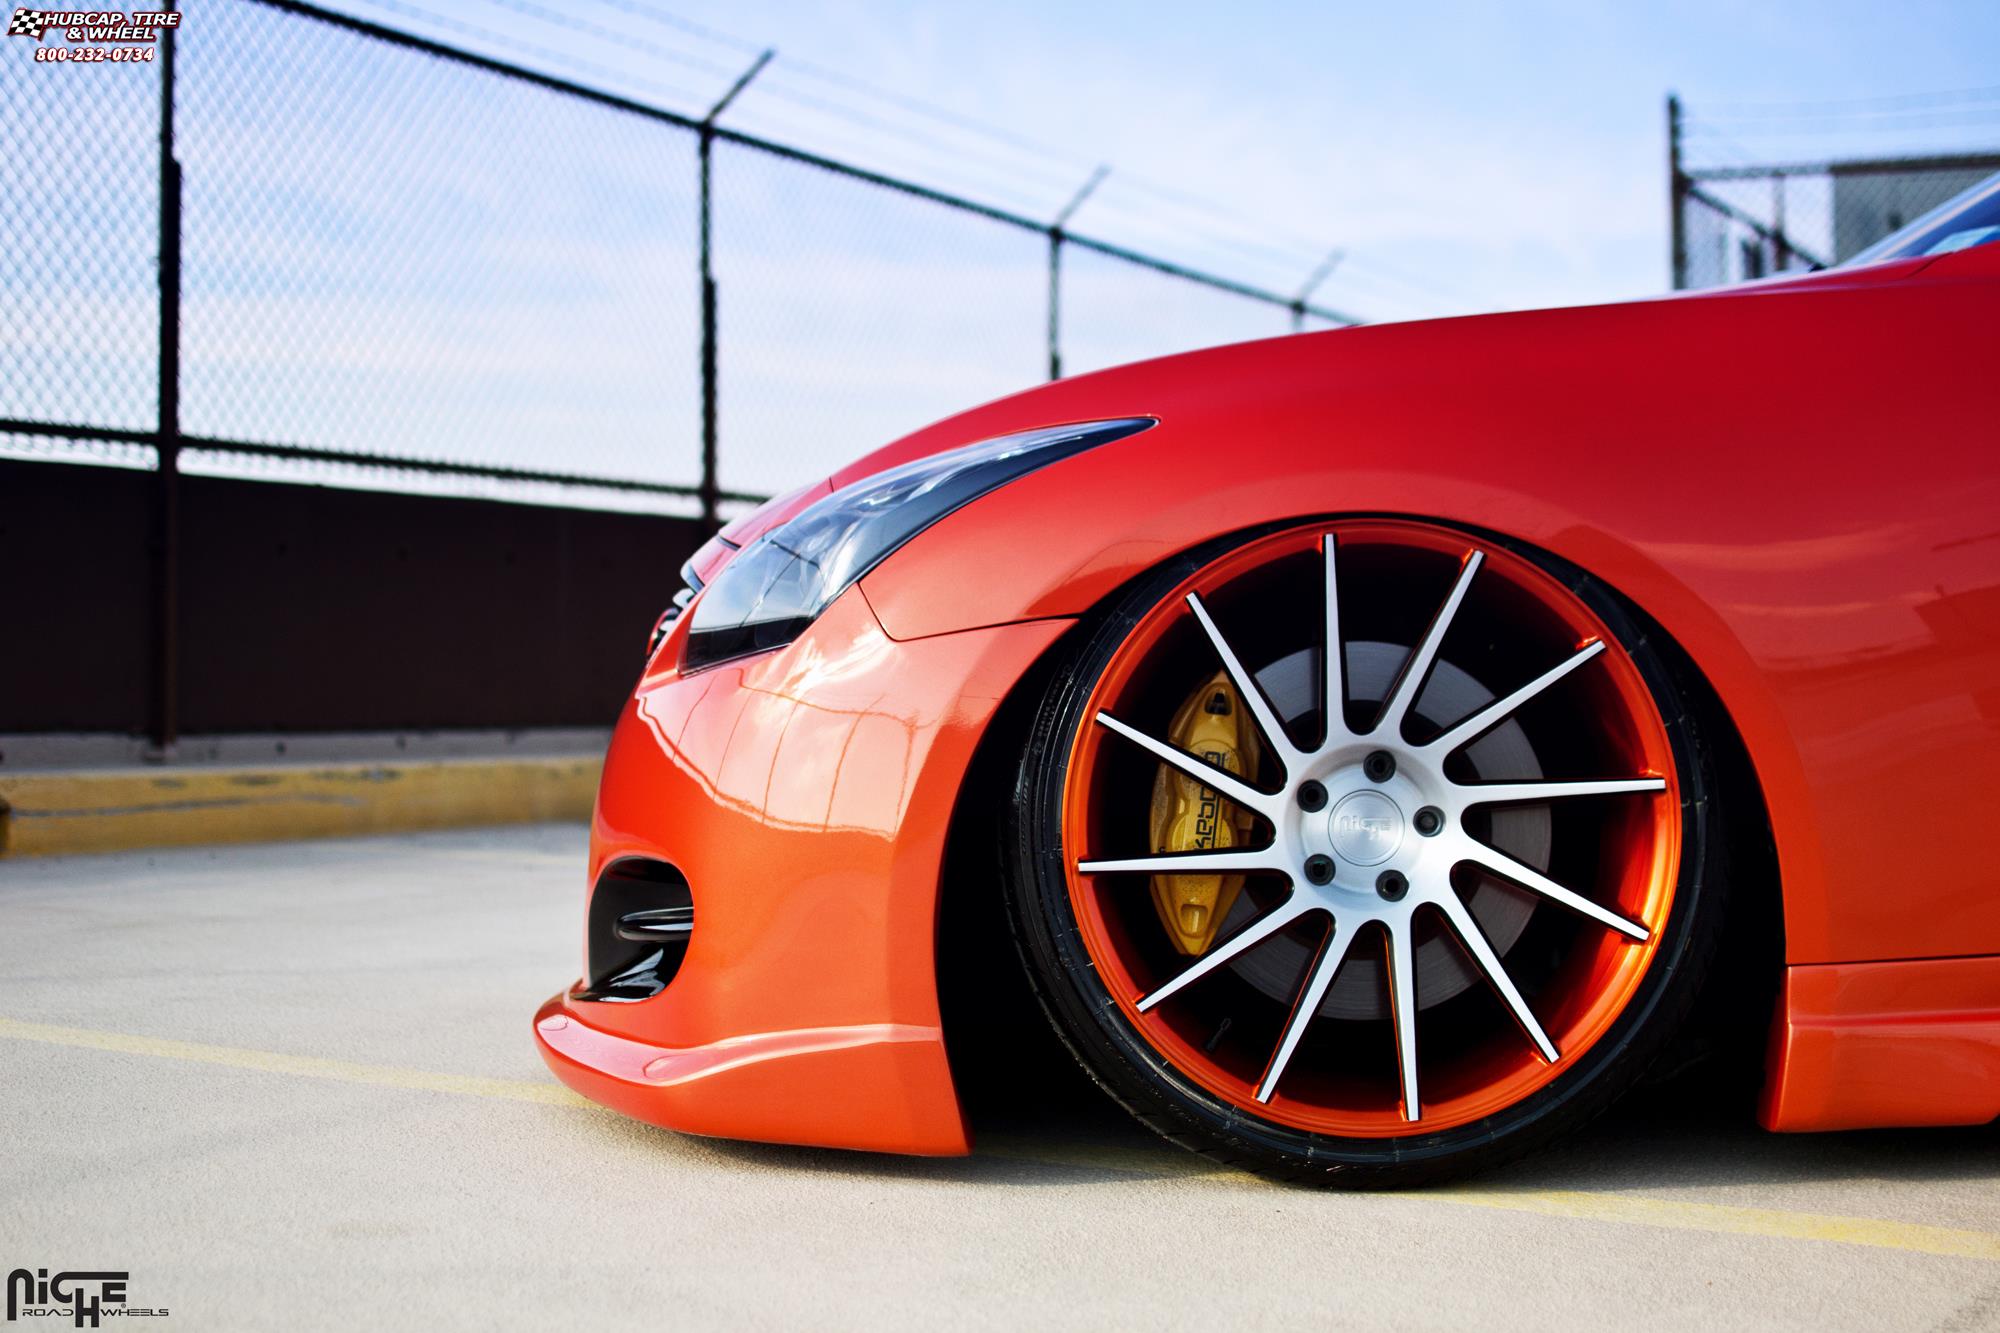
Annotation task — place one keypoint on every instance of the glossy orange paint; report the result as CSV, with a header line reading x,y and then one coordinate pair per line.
x,y
805,795
1577,1007
1856,1045
1799,482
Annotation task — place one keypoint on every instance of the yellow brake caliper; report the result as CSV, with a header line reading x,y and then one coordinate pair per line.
x,y
1189,817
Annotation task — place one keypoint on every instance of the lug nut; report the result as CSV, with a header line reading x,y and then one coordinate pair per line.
x,y
1319,869
1380,766
1429,820
1312,796
1391,885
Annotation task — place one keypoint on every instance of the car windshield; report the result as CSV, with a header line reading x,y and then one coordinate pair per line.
x,y
1973,218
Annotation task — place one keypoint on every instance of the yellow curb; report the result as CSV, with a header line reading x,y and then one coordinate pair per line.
x,y
109,810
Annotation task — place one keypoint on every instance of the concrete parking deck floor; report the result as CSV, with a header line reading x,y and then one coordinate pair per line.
x,y
293,1087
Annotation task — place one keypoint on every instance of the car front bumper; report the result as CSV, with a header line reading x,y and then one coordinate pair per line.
x,y
805,794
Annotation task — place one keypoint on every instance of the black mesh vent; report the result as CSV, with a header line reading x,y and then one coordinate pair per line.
x,y
641,918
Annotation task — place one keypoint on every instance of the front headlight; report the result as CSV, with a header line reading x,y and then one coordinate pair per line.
x,y
775,587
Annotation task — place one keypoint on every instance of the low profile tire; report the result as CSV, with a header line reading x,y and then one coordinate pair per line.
x,y
1450,917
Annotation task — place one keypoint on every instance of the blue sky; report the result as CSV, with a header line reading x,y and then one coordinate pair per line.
x,y
1466,156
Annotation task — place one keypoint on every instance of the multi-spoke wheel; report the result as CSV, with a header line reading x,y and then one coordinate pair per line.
x,y
1368,849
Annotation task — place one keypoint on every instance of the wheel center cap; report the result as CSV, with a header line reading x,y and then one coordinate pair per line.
x,y
1366,828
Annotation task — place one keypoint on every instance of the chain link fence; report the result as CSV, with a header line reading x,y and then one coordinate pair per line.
x,y
79,298
409,266
1733,221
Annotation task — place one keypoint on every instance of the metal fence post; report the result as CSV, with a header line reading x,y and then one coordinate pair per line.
x,y
1055,303
711,485
1677,190
1311,285
1055,268
1781,244
163,723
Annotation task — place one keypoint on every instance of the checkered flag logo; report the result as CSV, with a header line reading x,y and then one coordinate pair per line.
x,y
28,23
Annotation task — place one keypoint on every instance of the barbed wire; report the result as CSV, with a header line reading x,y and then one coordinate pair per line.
x,y
1243,235
1028,175
1842,105
570,22
664,91
1884,124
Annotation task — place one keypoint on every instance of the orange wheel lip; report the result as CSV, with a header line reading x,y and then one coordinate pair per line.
x,y
1613,972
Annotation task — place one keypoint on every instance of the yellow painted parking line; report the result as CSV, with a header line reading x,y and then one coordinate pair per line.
x,y
1580,1205
1731,1220
299,1066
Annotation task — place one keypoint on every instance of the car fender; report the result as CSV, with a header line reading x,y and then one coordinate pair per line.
x,y
1793,485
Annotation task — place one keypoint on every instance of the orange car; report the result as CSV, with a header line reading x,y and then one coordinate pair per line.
x,y
1374,742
